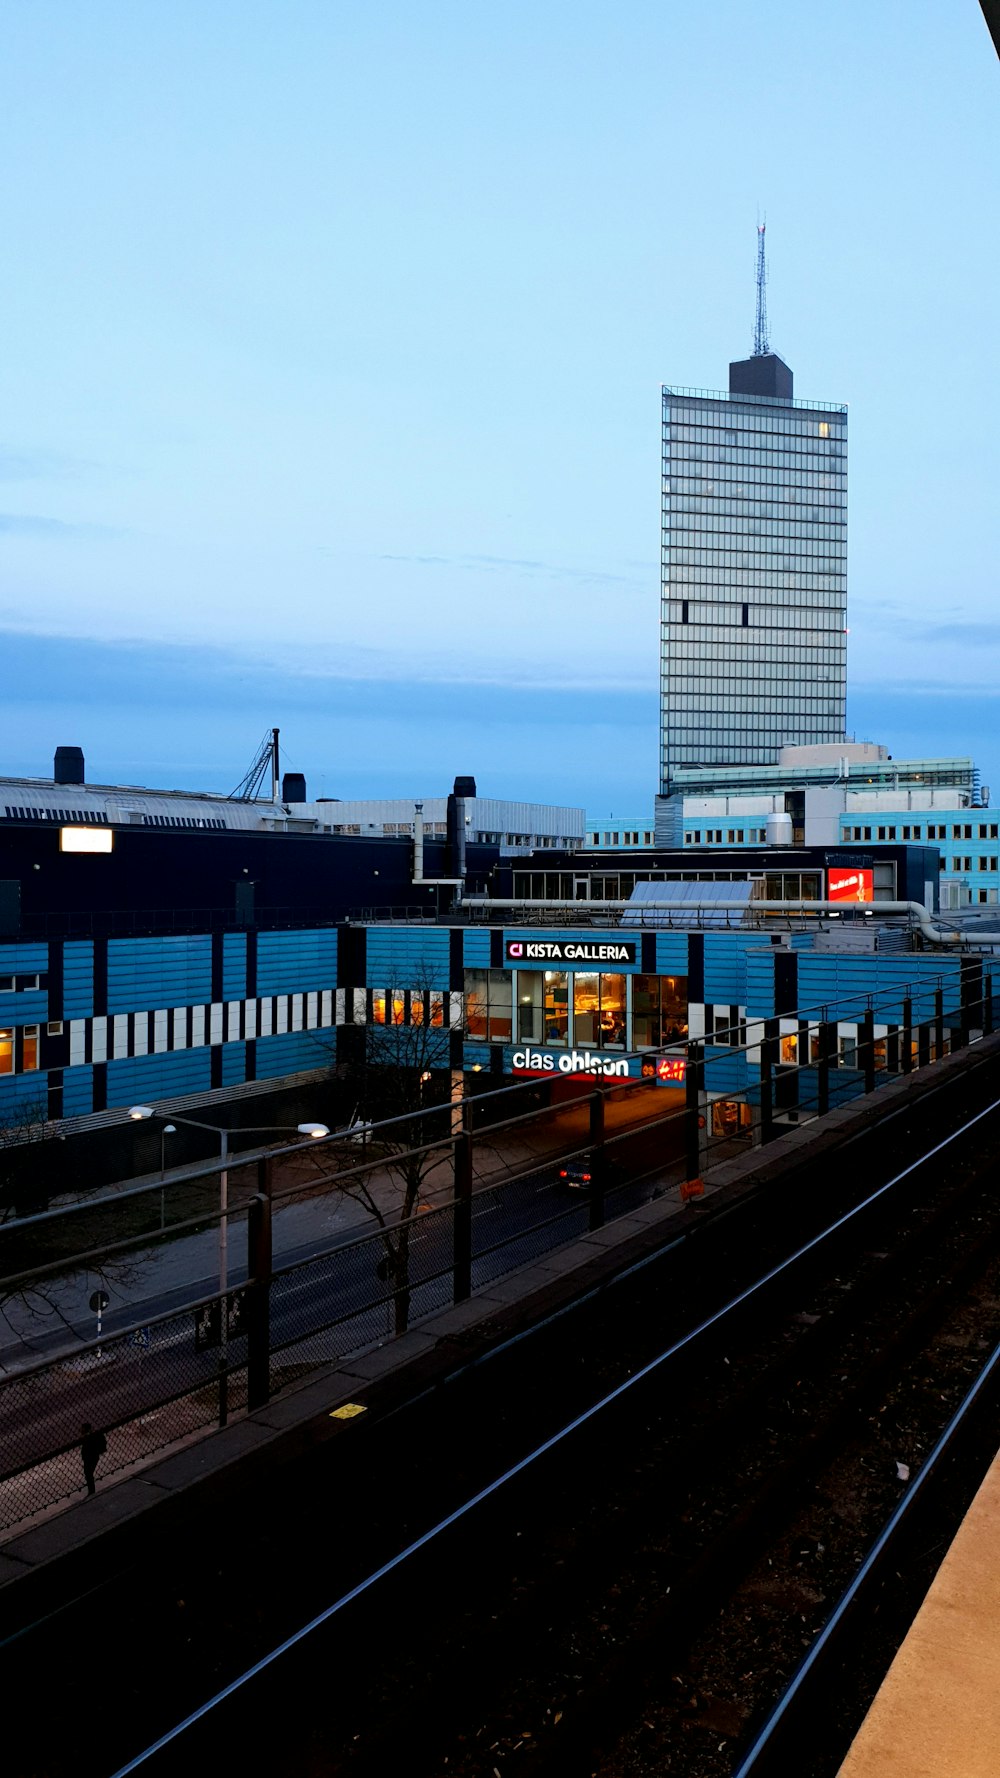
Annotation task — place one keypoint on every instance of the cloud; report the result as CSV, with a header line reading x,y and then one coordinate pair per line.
x,y
966,635
522,565
23,524
28,465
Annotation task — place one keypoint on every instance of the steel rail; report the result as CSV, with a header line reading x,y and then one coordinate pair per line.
x,y
790,1698
524,1464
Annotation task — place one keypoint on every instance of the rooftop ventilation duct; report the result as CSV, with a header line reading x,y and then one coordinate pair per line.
x,y
68,767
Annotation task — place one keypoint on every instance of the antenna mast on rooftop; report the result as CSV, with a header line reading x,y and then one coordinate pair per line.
x,y
761,345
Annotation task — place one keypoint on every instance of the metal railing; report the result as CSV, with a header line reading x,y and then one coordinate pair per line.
x,y
489,1199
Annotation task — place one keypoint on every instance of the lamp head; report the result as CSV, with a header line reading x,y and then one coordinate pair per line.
x,y
316,1130
138,1112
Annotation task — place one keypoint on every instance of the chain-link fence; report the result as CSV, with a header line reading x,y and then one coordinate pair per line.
x,y
143,1389
488,1202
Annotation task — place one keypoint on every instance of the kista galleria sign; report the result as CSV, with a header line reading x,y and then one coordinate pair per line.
x,y
522,951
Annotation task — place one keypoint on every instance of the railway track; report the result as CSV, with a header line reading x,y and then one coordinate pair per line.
x,y
706,1513
534,1618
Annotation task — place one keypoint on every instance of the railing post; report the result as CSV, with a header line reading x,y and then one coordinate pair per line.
x,y
259,1271
938,1022
892,1049
462,1218
972,996
867,1047
598,1160
907,1057
768,1057
923,1046
827,1050
693,1073
987,1003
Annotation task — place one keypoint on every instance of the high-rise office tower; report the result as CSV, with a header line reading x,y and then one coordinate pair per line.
x,y
754,578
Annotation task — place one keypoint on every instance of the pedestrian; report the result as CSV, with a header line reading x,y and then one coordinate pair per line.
x,y
92,1448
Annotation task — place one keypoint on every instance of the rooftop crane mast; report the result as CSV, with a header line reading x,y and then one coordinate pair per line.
x,y
264,765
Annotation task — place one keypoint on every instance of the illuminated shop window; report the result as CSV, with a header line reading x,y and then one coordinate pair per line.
x,y
488,1005
599,1015
731,1117
659,1010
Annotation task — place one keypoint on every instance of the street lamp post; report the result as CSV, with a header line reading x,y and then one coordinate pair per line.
x,y
138,1114
167,1130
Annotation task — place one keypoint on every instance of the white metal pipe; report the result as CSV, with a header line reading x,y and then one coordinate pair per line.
x,y
938,935
418,854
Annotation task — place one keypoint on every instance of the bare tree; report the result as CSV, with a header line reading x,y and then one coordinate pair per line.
x,y
29,1178
26,1135
402,1075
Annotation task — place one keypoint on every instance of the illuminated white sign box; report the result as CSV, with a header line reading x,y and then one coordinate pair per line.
x,y
530,1061
85,839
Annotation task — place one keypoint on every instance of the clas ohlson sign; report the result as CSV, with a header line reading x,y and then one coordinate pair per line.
x,y
531,1061
581,952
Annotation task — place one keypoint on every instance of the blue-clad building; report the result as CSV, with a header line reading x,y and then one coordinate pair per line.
x,y
157,948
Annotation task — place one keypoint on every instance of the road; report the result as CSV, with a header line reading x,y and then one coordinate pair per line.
x,y
180,1269
329,1297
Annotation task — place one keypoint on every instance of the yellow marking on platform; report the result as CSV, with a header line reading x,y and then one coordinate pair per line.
x,y
349,1411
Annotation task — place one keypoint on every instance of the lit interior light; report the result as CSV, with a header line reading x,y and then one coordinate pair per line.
x,y
86,839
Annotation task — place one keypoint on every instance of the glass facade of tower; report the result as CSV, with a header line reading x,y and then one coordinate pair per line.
x,y
754,581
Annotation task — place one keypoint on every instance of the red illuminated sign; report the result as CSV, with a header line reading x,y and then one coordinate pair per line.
x,y
669,1071
850,885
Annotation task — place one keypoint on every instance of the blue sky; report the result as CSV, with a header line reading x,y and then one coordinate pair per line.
x,y
333,338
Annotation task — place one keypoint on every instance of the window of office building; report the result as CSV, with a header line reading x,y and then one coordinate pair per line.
x,y
407,1006
6,1050
792,886
488,1005
599,1007
542,1006
29,1049
659,1010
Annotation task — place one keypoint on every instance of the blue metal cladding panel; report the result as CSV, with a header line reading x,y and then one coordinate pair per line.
x,y
431,1051
138,1079
477,950
671,953
159,972
24,959
845,982
296,962
586,936
78,1091
760,984
477,1055
234,966
726,966
725,1070
30,1008
24,1097
405,957
78,979
234,1064
293,1052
